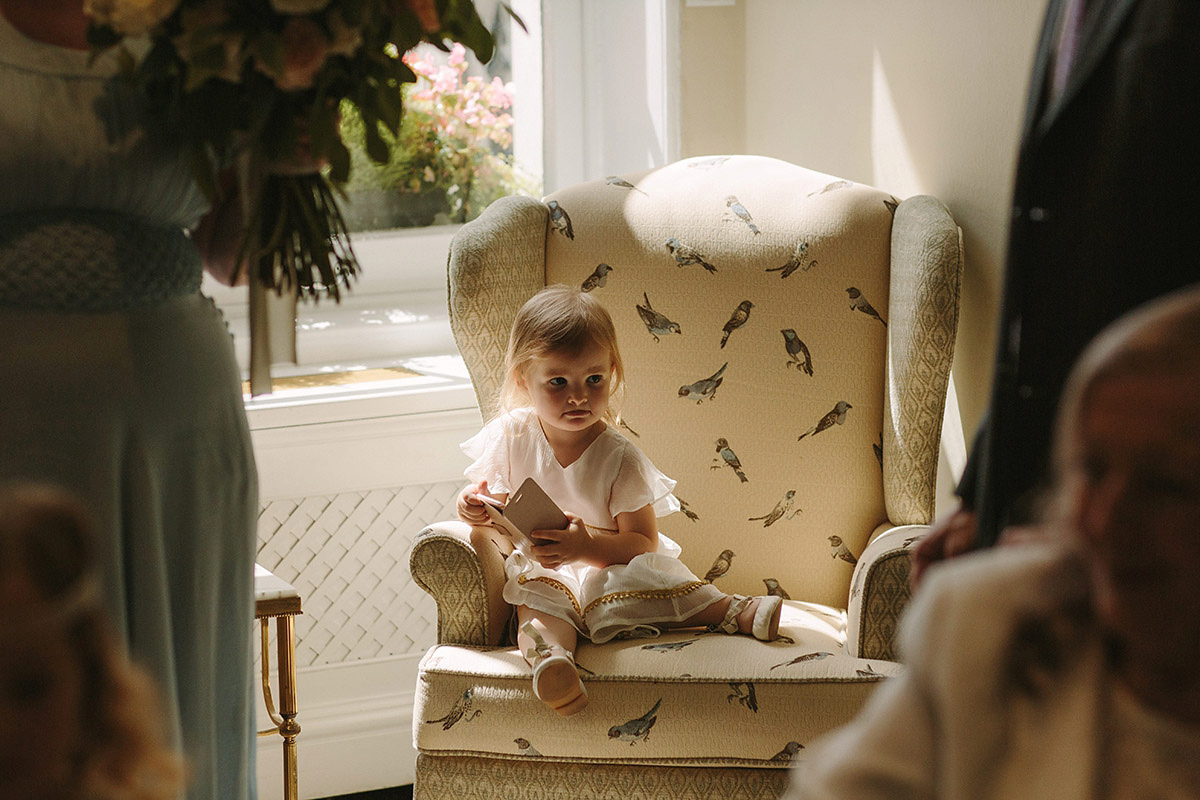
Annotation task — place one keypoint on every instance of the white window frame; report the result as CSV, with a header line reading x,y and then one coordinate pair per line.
x,y
607,107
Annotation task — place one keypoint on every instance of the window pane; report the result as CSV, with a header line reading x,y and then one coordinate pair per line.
x,y
455,151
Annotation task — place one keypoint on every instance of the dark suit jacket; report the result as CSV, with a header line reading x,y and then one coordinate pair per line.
x,y
1104,217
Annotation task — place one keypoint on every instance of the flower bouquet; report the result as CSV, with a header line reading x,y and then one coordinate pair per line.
x,y
259,83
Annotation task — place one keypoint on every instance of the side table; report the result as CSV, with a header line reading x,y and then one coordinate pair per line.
x,y
275,598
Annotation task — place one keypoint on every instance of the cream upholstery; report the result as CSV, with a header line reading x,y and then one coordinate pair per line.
x,y
849,451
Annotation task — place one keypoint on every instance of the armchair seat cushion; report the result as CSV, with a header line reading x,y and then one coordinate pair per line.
x,y
685,698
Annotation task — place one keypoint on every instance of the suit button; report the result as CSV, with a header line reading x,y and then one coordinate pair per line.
x,y
1025,391
1037,214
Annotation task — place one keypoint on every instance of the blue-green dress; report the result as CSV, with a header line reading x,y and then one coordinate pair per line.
x,y
118,380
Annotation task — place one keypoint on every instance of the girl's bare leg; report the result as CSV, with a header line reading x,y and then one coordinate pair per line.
x,y
555,682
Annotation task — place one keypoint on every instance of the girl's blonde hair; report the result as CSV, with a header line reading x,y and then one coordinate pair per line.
x,y
559,319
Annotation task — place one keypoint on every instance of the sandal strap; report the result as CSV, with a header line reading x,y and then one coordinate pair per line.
x,y
541,648
736,606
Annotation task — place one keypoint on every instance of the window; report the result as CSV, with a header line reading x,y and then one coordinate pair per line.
x,y
596,94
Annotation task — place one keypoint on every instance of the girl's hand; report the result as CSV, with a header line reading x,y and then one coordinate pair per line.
x,y
470,508
553,548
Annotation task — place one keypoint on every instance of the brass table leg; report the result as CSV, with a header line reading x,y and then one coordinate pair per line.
x,y
285,717
289,729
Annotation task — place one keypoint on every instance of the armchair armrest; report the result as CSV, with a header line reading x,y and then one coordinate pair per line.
x,y
462,567
879,591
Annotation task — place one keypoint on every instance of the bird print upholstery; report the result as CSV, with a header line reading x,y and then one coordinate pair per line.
x,y
774,382
790,379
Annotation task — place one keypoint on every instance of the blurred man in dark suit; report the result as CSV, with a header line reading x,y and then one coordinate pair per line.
x,y
1104,217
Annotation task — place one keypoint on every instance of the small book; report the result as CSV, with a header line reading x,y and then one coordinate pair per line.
x,y
528,509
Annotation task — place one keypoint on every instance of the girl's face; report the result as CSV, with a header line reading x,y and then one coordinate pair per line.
x,y
1134,473
570,391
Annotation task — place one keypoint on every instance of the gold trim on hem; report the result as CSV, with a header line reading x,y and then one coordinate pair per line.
x,y
645,594
562,587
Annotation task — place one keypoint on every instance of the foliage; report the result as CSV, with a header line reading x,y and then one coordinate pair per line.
x,y
455,138
265,79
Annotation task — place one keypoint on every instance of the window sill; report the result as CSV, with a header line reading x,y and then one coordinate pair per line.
x,y
436,384
394,316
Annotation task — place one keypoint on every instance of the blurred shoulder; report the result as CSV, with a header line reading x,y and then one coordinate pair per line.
x,y
981,596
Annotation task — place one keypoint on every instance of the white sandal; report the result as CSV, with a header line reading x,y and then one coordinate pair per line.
x,y
765,626
555,679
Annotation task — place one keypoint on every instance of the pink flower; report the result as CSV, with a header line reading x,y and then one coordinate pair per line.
x,y
458,55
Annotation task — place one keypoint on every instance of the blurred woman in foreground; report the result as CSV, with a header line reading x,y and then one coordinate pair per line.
x,y
1069,667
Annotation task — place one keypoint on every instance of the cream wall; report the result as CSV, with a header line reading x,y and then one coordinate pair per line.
x,y
915,97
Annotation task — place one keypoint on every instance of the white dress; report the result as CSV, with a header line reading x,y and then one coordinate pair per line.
x,y
611,477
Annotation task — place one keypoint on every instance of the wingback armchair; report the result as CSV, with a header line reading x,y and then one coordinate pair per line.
x,y
787,338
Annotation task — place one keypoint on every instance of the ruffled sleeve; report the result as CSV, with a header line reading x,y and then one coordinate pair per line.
x,y
490,450
639,483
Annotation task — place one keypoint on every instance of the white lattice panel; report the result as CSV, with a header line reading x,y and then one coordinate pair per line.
x,y
347,555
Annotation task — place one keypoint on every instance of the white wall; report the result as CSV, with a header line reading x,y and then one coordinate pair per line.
x,y
915,97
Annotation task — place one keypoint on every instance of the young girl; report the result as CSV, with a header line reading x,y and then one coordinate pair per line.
x,y
609,572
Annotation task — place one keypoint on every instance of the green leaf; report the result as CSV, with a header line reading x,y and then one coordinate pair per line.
x,y
515,16
377,148
101,37
268,47
339,162
389,106
406,31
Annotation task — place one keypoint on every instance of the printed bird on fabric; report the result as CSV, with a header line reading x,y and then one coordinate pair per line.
x,y
804,658
737,319
832,187
598,278
744,693
775,590
719,566
560,220
795,349
782,507
838,549
686,509
837,416
869,672
686,255
656,323
525,748
741,213
636,730
460,710
730,459
798,259
705,388
859,303
709,163
788,752
669,647
617,180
